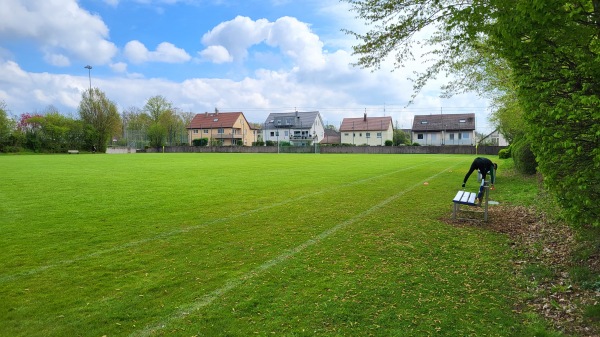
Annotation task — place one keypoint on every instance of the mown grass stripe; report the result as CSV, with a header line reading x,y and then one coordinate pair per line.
x,y
234,283
166,235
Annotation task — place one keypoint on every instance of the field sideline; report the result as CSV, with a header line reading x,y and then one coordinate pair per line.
x,y
241,244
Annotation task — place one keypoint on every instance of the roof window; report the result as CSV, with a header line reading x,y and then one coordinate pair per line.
x,y
424,122
215,120
462,121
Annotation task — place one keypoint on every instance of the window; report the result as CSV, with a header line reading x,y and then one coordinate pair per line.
x,y
419,136
465,135
215,120
462,121
451,136
279,122
272,134
424,122
220,131
360,134
346,134
195,131
378,134
368,135
277,133
205,130
286,133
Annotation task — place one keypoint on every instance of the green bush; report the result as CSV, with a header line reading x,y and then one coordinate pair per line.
x,y
415,144
389,143
271,143
504,153
200,142
523,157
258,143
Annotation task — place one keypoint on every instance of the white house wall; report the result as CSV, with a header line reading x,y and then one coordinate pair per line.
x,y
444,138
360,137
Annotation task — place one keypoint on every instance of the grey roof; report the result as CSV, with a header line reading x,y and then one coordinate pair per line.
x,y
296,120
447,122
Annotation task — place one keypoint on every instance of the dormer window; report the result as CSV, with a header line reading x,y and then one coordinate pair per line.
x,y
462,121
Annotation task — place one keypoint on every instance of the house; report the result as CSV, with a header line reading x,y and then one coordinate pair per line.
x,y
332,137
372,131
298,128
495,138
222,128
444,129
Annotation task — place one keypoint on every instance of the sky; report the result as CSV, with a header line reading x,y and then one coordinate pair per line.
x,y
253,56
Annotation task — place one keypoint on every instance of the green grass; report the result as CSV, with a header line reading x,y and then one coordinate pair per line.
x,y
238,245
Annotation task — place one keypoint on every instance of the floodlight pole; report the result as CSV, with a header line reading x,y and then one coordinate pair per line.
x,y
89,68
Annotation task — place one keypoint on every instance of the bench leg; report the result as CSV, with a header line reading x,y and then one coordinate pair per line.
x,y
454,209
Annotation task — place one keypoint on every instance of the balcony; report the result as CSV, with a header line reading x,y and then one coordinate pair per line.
x,y
301,137
227,135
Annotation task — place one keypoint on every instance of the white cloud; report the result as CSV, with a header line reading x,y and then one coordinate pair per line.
x,y
119,67
166,52
58,60
216,54
60,27
293,38
237,35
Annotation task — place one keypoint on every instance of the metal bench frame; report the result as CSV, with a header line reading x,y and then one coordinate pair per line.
x,y
468,198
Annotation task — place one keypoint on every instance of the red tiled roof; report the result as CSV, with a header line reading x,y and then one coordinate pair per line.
x,y
366,124
215,120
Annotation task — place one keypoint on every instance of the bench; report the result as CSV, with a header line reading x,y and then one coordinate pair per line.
x,y
468,198
73,151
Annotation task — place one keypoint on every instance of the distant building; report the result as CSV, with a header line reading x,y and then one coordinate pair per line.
x,y
372,131
332,137
444,129
495,138
298,128
225,128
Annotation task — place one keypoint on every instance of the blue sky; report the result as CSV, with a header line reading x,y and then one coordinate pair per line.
x,y
254,56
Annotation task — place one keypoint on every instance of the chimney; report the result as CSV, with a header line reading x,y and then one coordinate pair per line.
x,y
206,113
216,111
365,118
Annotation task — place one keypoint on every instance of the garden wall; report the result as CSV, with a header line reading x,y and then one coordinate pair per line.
x,y
446,149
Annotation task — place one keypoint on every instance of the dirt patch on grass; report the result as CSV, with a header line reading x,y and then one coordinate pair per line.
x,y
544,254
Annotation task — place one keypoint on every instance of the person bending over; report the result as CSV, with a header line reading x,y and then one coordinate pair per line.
x,y
484,166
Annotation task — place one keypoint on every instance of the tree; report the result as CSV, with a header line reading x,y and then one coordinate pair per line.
x,y
554,51
100,118
541,57
6,127
397,24
161,115
401,137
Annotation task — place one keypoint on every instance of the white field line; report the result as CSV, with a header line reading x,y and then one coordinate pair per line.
x,y
234,283
33,271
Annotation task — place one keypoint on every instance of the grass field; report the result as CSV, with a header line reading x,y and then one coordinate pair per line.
x,y
250,244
